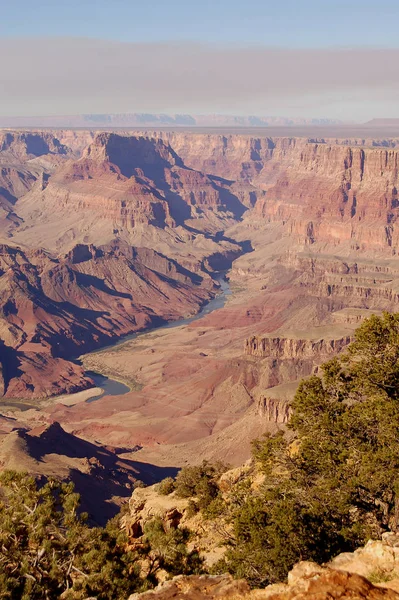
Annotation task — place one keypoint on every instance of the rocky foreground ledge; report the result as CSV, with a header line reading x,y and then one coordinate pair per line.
x,y
306,581
370,573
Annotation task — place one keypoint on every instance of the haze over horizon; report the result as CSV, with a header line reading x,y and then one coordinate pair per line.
x,y
302,59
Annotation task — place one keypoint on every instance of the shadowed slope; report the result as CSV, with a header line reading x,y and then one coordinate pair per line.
x,y
101,476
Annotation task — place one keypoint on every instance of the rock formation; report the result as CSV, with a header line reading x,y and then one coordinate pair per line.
x,y
106,234
132,188
371,571
273,410
284,349
307,581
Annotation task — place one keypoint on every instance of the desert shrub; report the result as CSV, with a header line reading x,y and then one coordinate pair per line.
x,y
139,484
200,481
47,550
166,486
328,486
167,549
215,509
192,508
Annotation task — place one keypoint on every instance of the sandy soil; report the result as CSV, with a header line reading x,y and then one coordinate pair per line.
x,y
72,399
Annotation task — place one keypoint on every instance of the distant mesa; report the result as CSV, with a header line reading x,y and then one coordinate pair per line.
x,y
130,120
382,123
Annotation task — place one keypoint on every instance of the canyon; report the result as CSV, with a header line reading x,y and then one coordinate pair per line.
x,y
107,234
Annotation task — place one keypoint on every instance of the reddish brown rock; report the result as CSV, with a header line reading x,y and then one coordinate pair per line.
x,y
197,587
320,192
317,585
119,187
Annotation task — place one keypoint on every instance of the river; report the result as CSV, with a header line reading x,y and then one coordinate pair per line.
x,y
111,387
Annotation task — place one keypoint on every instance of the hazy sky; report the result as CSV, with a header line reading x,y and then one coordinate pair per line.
x,y
289,57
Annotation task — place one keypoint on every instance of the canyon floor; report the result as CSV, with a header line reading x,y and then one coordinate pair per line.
x,y
106,234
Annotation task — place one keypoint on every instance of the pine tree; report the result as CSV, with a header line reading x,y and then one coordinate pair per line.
x,y
336,482
48,551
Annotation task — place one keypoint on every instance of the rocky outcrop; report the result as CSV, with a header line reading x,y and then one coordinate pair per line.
x,y
316,216
23,146
285,360
346,577
371,571
273,410
288,348
237,157
197,587
93,183
307,581
26,160
318,191
154,162
131,180
147,504
32,372
15,182
206,537
378,559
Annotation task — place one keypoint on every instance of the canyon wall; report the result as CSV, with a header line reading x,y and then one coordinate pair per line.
x,y
284,348
323,191
319,192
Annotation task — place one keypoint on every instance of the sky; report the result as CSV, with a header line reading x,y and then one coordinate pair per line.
x,y
299,58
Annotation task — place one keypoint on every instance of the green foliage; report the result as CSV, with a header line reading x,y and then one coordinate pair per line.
x,y
166,486
337,482
167,549
215,508
381,576
200,481
47,550
192,508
